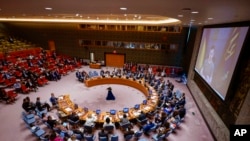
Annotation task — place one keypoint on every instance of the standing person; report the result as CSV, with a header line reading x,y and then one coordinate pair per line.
x,y
110,95
53,100
207,69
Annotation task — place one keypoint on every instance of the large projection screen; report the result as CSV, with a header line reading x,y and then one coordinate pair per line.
x,y
218,54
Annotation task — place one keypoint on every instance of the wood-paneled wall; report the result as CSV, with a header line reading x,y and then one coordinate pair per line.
x,y
66,37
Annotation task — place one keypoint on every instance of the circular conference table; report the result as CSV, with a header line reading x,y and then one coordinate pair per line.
x,y
66,106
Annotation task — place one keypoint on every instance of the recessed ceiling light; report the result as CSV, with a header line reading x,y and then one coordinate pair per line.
x,y
210,18
194,12
48,8
180,15
77,15
123,8
125,15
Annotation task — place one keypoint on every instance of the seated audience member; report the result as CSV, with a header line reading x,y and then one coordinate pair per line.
x,y
53,100
124,119
175,117
73,138
168,109
41,106
108,122
61,127
157,117
44,118
161,131
102,133
77,130
17,86
7,75
182,112
26,105
128,132
142,116
74,117
90,121
31,85
163,117
54,137
146,128
51,122
167,126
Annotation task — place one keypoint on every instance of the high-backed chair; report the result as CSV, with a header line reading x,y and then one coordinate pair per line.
x,y
103,139
40,113
89,137
128,137
114,138
155,137
124,126
142,122
138,134
71,122
89,128
109,128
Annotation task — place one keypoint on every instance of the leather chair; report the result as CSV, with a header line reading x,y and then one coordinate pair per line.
x,y
109,128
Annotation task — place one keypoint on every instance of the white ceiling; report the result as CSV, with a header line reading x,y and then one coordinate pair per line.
x,y
221,11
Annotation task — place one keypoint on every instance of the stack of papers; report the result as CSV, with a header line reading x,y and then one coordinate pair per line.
x,y
68,109
147,108
136,113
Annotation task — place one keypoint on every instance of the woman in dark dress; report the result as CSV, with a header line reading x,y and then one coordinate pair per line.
x,y
110,95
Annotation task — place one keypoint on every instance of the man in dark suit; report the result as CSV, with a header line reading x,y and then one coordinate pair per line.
x,y
142,116
41,106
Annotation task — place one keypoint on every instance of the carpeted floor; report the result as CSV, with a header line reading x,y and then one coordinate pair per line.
x,y
13,127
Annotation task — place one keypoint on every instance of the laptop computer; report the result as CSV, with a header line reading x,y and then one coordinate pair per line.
x,y
112,112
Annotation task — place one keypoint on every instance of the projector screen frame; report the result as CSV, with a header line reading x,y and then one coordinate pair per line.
x,y
231,85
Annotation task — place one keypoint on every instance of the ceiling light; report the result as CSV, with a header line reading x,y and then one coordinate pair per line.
x,y
210,18
77,15
48,8
194,12
123,8
180,16
125,15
